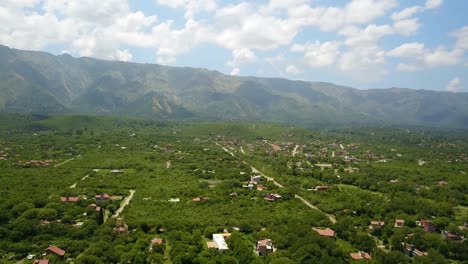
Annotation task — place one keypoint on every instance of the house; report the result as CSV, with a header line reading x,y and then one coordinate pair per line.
x,y
322,188
255,179
95,206
261,188
71,199
360,255
200,199
219,240
264,247
249,186
428,226
157,241
55,250
121,228
271,197
376,224
233,195
412,251
399,222
327,232
452,236
102,197
41,261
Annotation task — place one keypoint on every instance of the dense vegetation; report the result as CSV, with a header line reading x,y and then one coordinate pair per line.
x,y
373,174
38,82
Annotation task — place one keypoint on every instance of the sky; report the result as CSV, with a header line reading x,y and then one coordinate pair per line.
x,y
418,44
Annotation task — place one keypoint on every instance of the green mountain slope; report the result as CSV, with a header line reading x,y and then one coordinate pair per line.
x,y
38,82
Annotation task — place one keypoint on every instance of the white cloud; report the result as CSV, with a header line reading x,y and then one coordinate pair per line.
x,y
454,85
407,67
191,7
317,54
407,26
241,56
443,57
365,63
408,50
407,12
425,58
258,32
462,38
293,70
124,55
369,35
235,71
432,4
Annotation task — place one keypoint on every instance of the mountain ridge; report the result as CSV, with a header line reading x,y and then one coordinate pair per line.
x,y
91,86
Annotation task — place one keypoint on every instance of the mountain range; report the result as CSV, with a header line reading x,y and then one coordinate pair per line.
x,y
39,82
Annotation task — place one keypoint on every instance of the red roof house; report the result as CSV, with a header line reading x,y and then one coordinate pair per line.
x,y
41,261
55,250
428,226
71,199
328,232
360,255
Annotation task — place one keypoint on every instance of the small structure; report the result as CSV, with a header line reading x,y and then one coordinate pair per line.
x,y
157,241
322,188
121,228
428,226
103,197
70,199
411,250
393,181
248,186
96,207
327,232
233,195
399,222
441,183
264,247
200,199
271,197
55,251
41,261
376,224
219,240
360,255
450,236
256,179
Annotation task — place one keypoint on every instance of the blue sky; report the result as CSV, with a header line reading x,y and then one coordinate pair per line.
x,y
420,44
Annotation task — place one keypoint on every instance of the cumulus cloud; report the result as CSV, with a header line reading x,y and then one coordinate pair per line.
x,y
293,70
241,56
317,54
454,85
425,58
432,4
235,71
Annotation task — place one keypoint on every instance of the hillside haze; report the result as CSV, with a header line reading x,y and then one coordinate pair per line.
x,y
39,82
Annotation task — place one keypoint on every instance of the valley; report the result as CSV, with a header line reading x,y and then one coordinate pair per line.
x,y
120,190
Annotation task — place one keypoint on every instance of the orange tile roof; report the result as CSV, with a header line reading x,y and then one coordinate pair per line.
x,y
325,232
